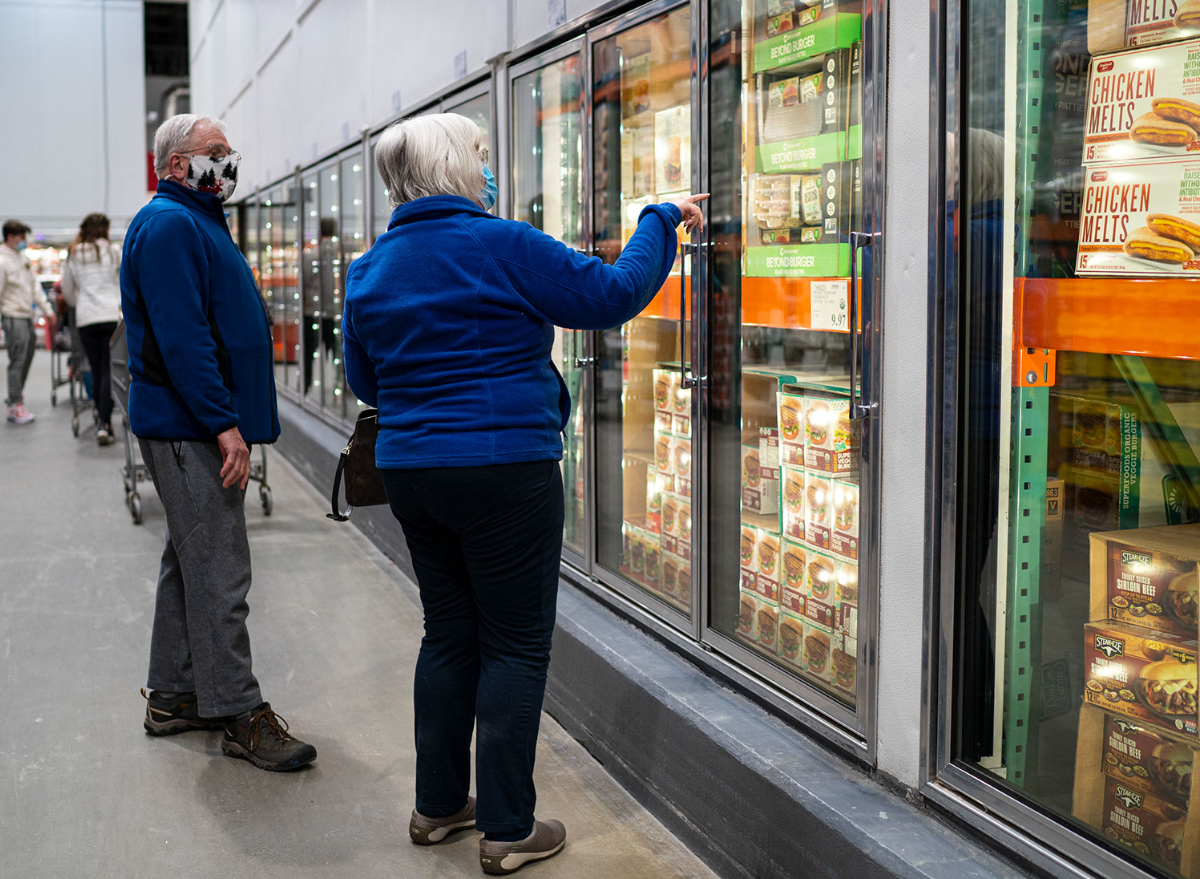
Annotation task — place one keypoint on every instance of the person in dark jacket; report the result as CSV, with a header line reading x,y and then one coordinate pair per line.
x,y
447,329
202,391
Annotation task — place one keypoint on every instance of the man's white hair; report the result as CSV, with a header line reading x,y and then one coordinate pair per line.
x,y
175,136
436,154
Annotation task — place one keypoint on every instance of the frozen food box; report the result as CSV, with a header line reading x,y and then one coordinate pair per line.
x,y
795,573
845,577
1147,759
843,540
770,564
791,429
677,526
1141,220
808,32
820,585
681,465
1113,24
749,604
830,437
641,555
749,558
1143,104
818,643
793,482
670,574
666,385
782,243
1142,674
760,491
681,410
791,639
673,148
664,460
843,661
768,625
818,508
685,584
1149,577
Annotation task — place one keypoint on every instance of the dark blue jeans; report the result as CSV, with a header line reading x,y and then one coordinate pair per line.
x,y
485,544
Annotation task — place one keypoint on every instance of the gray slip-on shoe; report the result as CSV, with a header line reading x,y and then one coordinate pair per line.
x,y
501,858
429,831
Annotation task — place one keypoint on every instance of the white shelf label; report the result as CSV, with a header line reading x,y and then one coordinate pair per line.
x,y
829,305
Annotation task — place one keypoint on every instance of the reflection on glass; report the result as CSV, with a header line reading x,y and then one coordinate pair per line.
x,y
1077,612
270,238
353,245
548,194
642,144
479,111
310,293
381,206
785,507
289,289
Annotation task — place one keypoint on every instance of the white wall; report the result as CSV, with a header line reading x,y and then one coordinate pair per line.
x,y
52,63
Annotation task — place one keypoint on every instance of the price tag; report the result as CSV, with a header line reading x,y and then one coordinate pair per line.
x,y
829,305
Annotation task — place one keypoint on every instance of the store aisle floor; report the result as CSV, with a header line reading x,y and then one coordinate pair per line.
x,y
335,629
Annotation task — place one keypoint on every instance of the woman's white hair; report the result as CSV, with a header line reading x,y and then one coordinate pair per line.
x,y
436,154
175,136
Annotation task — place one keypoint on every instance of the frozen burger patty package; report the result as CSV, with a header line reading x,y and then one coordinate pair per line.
x,y
1143,104
1141,220
1142,674
1148,577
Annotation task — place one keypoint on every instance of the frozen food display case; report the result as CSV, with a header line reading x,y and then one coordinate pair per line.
x,y
1074,675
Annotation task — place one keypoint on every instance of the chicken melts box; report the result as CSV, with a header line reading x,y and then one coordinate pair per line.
x,y
1141,220
1143,104
1142,674
1148,577
1112,24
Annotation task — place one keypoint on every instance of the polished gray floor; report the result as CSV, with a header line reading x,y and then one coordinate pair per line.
x,y
335,629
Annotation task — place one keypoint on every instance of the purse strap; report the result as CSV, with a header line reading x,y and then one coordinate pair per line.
x,y
337,515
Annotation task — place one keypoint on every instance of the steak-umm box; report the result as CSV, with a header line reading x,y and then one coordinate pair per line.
x,y
1141,220
1143,104
1148,577
1142,674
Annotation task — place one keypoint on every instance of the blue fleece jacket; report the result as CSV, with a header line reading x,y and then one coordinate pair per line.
x,y
200,348
449,322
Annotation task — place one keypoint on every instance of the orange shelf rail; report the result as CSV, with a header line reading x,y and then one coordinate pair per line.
x,y
1147,317
767,302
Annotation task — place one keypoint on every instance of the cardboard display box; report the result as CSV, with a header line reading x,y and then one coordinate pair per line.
x,y
1114,24
830,437
1141,219
791,428
1148,676
800,228
791,639
794,488
843,541
1142,104
818,507
795,573
1149,577
820,589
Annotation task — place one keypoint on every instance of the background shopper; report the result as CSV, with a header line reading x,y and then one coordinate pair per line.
x,y
448,328
19,292
91,285
196,332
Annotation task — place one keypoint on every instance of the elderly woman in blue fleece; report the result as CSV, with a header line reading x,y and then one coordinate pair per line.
x,y
448,326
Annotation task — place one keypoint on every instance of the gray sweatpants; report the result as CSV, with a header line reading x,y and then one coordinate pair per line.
x,y
21,341
200,642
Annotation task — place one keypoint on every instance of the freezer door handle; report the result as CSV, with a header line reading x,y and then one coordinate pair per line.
x,y
687,379
859,407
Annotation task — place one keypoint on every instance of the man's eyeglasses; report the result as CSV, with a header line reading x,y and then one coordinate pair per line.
x,y
217,154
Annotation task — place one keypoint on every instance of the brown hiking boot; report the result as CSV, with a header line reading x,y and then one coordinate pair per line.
x,y
502,858
430,831
177,713
261,736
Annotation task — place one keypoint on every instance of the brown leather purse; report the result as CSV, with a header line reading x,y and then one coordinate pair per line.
x,y
364,485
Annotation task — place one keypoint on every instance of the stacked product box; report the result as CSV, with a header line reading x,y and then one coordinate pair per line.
x,y
1140,724
1114,24
1141,217
669,487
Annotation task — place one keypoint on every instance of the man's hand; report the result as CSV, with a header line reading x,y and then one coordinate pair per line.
x,y
235,467
693,217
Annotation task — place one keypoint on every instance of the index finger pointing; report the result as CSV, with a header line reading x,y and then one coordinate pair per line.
x,y
692,199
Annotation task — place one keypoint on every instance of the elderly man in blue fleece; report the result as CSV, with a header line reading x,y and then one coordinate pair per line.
x,y
447,329
202,389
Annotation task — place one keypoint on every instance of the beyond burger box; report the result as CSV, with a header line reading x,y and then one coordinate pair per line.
x,y
1112,24
793,480
830,437
1142,674
843,540
791,638
1141,220
1143,104
791,429
818,507
1148,577
795,573
820,585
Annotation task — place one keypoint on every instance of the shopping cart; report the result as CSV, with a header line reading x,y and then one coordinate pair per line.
x,y
68,366
135,471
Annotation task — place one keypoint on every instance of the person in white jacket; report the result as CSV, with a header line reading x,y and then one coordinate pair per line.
x,y
19,292
91,285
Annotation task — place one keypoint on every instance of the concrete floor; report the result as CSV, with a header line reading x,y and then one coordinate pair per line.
x,y
335,628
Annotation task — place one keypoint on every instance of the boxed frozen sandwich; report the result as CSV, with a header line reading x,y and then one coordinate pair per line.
x,y
1148,577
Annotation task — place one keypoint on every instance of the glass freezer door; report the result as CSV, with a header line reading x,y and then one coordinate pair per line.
x,y
783,429
642,105
548,193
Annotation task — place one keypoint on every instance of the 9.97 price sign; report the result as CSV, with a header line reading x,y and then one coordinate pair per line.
x,y
829,305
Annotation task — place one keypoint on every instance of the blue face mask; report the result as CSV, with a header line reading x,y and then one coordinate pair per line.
x,y
21,245
487,195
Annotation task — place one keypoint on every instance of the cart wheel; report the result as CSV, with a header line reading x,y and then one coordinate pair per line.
x,y
135,507
268,503
75,425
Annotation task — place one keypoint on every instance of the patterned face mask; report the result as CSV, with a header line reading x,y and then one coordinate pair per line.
x,y
215,176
